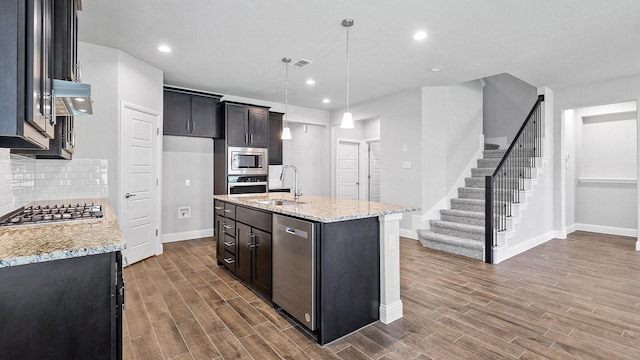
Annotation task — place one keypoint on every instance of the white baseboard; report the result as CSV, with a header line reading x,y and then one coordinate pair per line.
x,y
411,234
503,253
601,229
187,235
390,312
571,228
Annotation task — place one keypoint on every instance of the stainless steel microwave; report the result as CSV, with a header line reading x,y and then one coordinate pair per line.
x,y
244,160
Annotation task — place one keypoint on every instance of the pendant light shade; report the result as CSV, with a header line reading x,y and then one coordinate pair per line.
x,y
286,132
347,118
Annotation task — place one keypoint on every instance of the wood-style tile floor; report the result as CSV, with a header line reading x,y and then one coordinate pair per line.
x,y
577,298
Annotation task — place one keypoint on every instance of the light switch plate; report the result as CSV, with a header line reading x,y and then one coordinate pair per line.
x,y
187,182
406,164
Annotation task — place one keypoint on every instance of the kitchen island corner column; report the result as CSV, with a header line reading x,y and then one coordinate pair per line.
x,y
390,303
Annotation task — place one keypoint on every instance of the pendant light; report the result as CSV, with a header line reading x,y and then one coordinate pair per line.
x,y
286,132
347,117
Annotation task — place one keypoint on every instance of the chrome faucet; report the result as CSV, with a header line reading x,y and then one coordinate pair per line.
x,y
296,191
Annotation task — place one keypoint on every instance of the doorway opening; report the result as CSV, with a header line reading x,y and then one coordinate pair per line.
x,y
600,163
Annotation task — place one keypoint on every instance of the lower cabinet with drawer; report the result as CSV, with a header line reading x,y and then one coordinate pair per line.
x,y
244,244
225,231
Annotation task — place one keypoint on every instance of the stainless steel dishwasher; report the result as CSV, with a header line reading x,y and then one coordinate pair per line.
x,y
294,264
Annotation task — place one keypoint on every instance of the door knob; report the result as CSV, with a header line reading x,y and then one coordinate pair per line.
x,y
128,195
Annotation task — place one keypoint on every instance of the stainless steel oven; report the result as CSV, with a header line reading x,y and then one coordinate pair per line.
x,y
247,161
255,184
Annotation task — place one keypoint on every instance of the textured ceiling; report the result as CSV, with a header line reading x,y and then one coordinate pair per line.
x,y
235,46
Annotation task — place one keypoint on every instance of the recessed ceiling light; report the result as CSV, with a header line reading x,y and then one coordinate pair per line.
x,y
311,82
420,35
326,100
164,49
436,68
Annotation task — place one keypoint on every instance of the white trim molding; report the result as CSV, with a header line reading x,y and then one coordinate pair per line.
x,y
590,180
609,230
503,253
187,235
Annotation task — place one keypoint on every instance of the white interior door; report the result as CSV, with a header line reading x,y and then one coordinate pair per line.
x,y
374,171
348,170
139,168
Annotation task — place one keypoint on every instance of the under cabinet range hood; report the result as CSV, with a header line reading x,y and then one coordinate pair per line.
x,y
72,98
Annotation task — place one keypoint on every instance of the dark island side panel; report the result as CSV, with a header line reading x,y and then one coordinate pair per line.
x,y
349,280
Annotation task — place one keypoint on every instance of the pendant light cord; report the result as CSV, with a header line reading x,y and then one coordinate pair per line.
x,y
286,91
347,69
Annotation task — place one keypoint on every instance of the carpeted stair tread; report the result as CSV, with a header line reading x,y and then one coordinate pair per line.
x,y
467,204
493,153
462,216
457,229
452,244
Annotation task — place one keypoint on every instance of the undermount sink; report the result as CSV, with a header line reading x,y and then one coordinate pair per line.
x,y
281,202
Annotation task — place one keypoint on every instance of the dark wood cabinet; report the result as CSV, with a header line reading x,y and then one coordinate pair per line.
x,y
225,231
245,125
25,90
64,67
243,244
275,138
189,113
63,309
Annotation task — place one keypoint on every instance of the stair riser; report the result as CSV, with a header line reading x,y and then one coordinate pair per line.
x,y
482,172
462,219
493,163
453,249
479,183
457,205
493,154
457,232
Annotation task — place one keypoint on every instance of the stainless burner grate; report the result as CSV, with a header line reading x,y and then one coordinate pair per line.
x,y
36,214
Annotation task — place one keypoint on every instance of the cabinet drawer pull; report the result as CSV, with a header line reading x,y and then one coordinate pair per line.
x,y
229,261
227,226
219,207
227,243
228,210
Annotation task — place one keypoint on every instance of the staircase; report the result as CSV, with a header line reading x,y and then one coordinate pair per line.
x,y
461,229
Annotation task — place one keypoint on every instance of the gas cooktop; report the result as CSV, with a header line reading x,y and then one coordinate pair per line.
x,y
37,214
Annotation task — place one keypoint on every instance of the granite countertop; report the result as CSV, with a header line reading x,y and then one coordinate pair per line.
x,y
318,208
28,244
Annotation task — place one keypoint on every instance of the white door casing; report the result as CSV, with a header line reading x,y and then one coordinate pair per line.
x,y
140,204
374,171
348,180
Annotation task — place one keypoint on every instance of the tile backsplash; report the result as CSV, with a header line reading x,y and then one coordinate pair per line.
x,y
24,180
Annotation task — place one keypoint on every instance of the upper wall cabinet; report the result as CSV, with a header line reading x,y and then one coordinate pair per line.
x,y
25,91
275,138
246,125
64,67
188,113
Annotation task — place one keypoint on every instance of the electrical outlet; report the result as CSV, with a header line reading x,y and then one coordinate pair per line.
x,y
406,164
184,212
187,182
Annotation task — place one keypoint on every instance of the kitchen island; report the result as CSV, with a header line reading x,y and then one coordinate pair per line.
x,y
62,289
356,255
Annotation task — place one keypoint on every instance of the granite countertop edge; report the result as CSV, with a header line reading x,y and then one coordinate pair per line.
x,y
60,255
291,210
61,240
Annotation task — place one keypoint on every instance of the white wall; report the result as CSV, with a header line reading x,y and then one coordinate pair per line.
x,y
507,102
305,151
400,125
599,93
187,158
115,77
451,127
601,142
